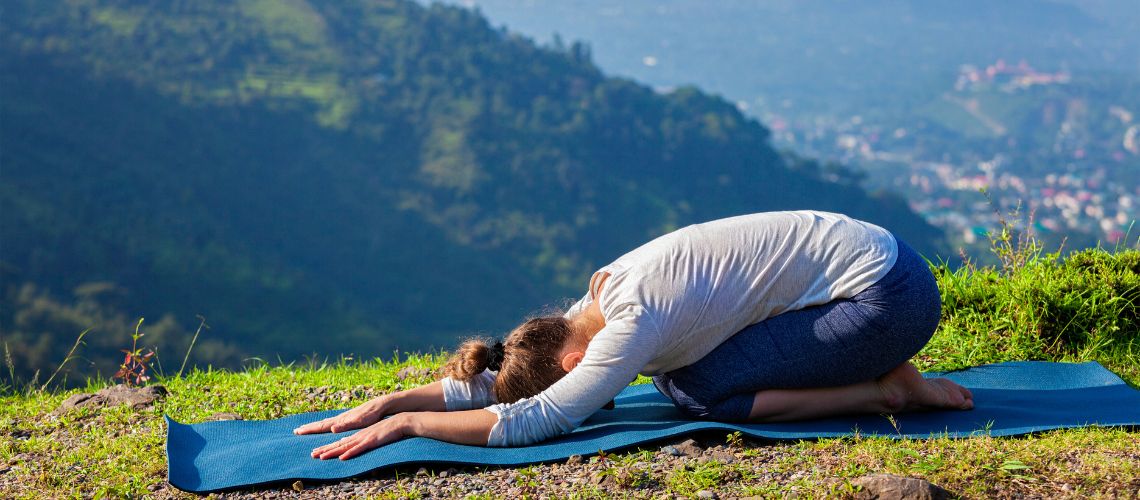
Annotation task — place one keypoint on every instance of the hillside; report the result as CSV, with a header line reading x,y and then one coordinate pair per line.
x,y
328,177
1085,307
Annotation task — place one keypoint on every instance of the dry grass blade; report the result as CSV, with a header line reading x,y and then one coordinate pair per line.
x,y
193,340
68,358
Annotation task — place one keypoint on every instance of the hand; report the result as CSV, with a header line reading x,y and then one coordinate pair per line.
x,y
356,418
376,435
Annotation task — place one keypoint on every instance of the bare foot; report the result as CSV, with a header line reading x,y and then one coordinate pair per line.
x,y
905,390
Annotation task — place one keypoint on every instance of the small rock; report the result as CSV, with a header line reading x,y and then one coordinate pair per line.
x,y
600,479
75,401
689,447
224,416
723,457
444,474
672,451
892,487
706,494
1066,487
298,486
422,472
136,397
574,460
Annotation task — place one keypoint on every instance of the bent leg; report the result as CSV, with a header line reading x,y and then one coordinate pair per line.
x,y
901,389
835,345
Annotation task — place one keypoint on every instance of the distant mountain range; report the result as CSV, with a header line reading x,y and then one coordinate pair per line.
x,y
1038,101
334,177
830,57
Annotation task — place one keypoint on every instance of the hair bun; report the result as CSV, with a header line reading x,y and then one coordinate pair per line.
x,y
472,358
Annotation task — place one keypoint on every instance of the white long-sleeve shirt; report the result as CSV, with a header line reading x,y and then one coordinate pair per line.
x,y
673,300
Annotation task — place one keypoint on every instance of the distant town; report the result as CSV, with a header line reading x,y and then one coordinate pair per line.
x,y
1079,182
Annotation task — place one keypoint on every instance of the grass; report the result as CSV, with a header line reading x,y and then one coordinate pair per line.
x,y
1083,307
117,452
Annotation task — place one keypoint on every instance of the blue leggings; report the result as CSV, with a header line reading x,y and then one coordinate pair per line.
x,y
842,342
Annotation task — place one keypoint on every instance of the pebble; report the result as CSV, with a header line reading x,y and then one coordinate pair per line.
x,y
690,447
884,486
224,416
706,494
723,457
422,472
602,479
298,486
672,451
574,460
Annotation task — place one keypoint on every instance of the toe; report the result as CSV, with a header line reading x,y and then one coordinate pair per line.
x,y
951,397
969,398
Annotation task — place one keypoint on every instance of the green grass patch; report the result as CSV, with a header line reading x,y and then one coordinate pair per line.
x,y
1080,308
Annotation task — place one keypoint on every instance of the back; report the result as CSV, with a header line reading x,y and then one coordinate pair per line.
x,y
705,282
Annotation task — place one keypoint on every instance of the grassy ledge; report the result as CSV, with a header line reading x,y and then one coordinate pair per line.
x,y
1083,307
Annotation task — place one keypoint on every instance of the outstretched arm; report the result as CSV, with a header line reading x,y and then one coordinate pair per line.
x,y
424,398
462,427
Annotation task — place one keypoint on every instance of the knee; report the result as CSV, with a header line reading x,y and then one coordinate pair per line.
x,y
692,405
698,406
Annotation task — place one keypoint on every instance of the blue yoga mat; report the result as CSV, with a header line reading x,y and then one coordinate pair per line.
x,y
1010,399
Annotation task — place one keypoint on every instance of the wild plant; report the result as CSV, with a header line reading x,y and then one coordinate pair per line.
x,y
1015,246
136,363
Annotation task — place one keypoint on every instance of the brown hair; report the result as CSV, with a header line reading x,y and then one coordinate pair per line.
x,y
528,363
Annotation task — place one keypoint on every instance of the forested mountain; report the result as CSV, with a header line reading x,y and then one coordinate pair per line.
x,y
351,176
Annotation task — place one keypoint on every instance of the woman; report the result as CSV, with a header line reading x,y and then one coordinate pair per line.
x,y
764,318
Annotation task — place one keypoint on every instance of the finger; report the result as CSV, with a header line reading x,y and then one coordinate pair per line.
x,y
318,451
346,424
331,447
314,427
370,441
358,450
365,445
335,451
969,398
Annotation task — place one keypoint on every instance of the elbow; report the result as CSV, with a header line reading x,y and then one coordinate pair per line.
x,y
517,432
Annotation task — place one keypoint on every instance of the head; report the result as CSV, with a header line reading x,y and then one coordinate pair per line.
x,y
534,356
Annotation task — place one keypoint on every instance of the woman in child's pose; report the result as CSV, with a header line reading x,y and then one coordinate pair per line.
x,y
762,318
